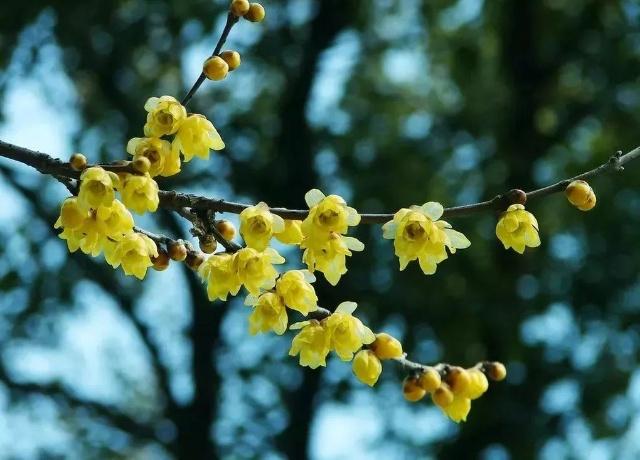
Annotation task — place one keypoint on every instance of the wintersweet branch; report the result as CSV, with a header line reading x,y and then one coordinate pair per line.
x,y
47,164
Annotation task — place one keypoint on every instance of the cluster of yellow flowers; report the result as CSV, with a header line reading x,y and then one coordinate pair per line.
x,y
324,242
96,221
452,388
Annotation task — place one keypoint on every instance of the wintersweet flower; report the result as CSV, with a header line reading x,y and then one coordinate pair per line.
x,y
258,224
347,332
367,367
140,193
72,215
517,229
158,152
386,346
326,214
217,272
295,289
581,195
292,232
331,257
418,234
458,409
97,187
164,117
311,343
196,137
269,314
133,252
254,269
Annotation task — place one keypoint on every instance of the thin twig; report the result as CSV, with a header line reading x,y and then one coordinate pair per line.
x,y
231,21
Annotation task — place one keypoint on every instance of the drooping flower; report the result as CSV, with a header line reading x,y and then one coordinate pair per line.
x,y
258,224
217,271
458,409
347,332
311,343
418,234
254,269
367,367
133,252
269,314
196,137
97,187
292,232
295,289
140,193
517,229
331,257
158,152
165,116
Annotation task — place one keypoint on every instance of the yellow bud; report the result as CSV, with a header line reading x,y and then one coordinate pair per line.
x,y
581,195
496,371
386,347
177,251
215,68
478,383
367,367
430,380
239,7
161,262
78,162
256,13
232,58
141,164
458,380
208,244
412,390
226,229
194,260
442,397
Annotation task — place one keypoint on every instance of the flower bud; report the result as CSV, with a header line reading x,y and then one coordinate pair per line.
x,y
239,7
194,260
478,383
496,371
442,397
256,13
367,367
386,347
208,244
177,251
232,58
161,262
215,68
226,229
78,162
141,164
430,380
581,195
458,380
412,390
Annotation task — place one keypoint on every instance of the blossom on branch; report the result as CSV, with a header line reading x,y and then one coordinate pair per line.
x,y
518,229
165,115
258,224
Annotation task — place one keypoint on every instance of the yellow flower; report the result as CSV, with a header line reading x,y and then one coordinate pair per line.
x,y
478,383
312,343
97,187
140,193
518,229
258,224
326,214
254,269
458,409
158,152
72,215
133,252
217,272
164,117
581,195
418,234
269,314
386,346
330,258
297,292
347,332
196,137
367,367
292,232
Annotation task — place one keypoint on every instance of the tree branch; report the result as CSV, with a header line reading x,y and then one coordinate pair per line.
x,y
47,164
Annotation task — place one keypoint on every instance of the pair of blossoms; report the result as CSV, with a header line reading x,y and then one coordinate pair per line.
x,y
96,221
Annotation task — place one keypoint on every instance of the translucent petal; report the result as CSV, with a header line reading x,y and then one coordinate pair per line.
x,y
313,197
347,307
433,210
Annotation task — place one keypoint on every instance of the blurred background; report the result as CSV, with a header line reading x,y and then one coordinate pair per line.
x,y
388,103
